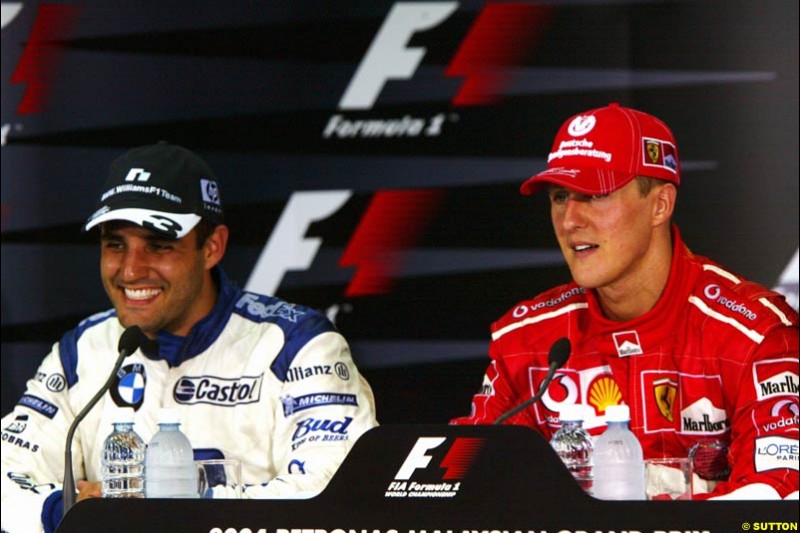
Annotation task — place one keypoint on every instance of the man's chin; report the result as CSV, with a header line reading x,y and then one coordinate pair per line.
x,y
149,329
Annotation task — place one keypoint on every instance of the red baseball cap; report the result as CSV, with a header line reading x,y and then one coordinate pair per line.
x,y
599,151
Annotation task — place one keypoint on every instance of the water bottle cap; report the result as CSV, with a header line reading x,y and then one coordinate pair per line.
x,y
618,413
573,412
123,415
169,415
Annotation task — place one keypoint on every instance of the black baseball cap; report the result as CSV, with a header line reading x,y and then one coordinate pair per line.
x,y
163,187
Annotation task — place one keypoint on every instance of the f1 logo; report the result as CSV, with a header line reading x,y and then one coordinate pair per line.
x,y
417,458
288,248
388,57
137,174
456,463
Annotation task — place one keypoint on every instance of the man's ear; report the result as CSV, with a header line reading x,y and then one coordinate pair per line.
x,y
215,246
664,205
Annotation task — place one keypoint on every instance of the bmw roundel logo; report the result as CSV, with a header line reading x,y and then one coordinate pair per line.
x,y
128,387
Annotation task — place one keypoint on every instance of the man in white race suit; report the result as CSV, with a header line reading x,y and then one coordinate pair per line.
x,y
255,378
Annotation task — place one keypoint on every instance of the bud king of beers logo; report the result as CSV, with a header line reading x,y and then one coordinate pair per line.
x,y
775,378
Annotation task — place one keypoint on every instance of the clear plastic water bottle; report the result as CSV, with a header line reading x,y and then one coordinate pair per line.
x,y
574,445
122,469
169,463
618,459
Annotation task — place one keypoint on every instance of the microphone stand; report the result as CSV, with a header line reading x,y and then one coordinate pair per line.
x,y
68,491
533,399
559,353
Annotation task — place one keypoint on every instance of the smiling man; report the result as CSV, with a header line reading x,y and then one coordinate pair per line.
x,y
706,360
237,365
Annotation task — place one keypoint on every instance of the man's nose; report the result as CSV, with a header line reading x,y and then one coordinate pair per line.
x,y
134,265
574,216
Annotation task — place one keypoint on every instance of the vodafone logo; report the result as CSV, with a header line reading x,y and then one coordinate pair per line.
x,y
581,125
562,391
712,291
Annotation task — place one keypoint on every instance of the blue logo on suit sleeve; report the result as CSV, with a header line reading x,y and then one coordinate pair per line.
x,y
292,405
128,387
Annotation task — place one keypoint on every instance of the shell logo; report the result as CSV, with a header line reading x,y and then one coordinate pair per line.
x,y
603,392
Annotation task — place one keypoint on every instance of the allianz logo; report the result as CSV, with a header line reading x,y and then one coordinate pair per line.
x,y
215,390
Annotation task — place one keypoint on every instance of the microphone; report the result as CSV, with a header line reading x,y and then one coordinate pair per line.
x,y
559,353
130,341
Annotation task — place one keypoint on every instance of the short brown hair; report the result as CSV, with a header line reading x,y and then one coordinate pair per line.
x,y
204,230
647,184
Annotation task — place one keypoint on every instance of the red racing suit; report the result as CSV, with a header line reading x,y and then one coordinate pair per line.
x,y
715,360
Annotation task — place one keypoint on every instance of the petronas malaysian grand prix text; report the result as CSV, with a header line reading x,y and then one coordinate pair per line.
x,y
745,526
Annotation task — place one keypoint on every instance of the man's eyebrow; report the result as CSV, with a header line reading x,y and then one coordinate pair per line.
x,y
109,234
160,239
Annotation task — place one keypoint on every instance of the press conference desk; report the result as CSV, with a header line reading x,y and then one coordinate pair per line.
x,y
423,478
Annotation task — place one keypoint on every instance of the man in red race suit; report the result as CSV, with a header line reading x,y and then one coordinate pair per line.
x,y
705,359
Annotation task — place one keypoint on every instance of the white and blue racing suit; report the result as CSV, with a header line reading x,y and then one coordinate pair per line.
x,y
261,380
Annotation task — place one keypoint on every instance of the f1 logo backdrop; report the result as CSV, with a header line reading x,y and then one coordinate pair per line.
x,y
369,157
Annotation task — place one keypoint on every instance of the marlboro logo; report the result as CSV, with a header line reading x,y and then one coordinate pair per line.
x,y
627,343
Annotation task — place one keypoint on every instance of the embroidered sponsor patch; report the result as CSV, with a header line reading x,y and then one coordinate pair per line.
x,y
775,378
777,416
592,386
39,405
773,453
658,153
704,418
214,390
292,404
688,403
129,385
627,343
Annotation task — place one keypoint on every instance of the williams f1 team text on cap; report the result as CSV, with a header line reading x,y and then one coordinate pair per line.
x,y
162,187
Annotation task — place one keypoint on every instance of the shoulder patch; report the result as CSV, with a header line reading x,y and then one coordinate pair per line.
x,y
300,324
68,345
261,308
556,302
747,306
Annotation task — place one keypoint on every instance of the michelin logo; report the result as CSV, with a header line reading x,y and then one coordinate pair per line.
x,y
292,405
213,390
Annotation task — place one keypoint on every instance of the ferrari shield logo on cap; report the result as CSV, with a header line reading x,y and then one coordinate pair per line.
x,y
653,151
